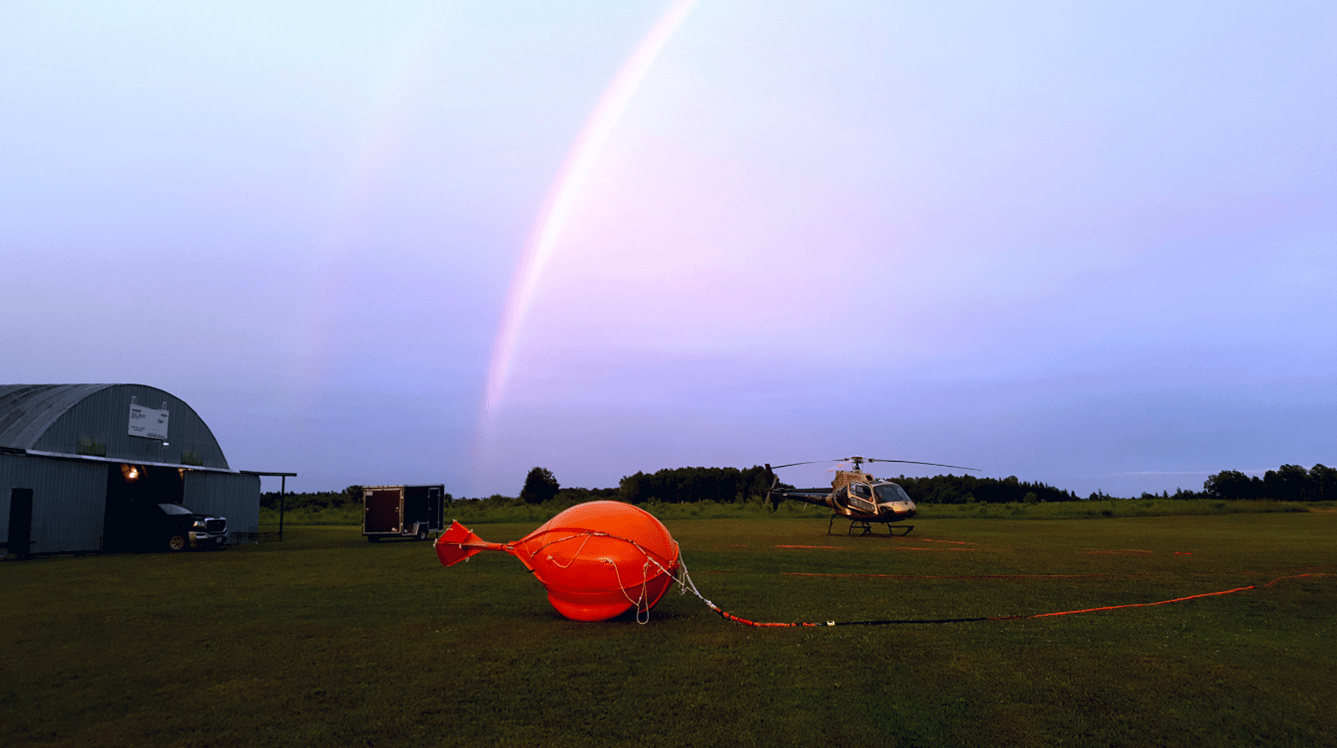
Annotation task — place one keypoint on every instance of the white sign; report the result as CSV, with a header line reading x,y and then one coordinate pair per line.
x,y
147,422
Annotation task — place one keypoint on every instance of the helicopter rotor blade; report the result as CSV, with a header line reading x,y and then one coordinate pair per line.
x,y
870,459
913,462
809,462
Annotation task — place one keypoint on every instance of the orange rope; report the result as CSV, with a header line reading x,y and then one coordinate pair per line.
x,y
746,622
958,576
1137,605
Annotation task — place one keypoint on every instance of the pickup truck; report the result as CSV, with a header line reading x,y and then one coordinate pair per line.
x,y
179,528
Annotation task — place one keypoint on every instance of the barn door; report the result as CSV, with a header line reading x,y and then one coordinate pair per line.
x,y
20,521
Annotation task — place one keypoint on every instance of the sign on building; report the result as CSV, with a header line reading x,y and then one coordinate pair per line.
x,y
147,422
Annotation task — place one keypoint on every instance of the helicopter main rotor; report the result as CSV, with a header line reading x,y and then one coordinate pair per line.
x,y
859,460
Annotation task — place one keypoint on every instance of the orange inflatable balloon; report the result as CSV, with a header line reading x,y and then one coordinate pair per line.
x,y
598,560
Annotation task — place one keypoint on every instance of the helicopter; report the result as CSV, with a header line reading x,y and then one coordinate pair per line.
x,y
855,495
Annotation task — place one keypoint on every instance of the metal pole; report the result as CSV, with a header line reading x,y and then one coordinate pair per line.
x,y
283,489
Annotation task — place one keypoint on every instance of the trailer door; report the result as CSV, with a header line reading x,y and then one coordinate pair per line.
x,y
381,510
434,507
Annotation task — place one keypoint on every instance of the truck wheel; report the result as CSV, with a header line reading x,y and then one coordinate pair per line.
x,y
178,542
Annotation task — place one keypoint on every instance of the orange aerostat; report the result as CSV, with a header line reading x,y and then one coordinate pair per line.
x,y
598,560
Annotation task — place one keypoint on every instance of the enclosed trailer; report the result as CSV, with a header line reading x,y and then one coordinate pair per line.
x,y
401,511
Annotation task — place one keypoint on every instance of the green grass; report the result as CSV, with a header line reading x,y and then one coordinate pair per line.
x,y
478,512
325,639
1112,508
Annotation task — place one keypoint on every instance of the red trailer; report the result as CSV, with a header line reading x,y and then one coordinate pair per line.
x,y
401,511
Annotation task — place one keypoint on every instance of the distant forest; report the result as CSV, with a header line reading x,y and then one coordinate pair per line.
x,y
740,485
1287,483
684,485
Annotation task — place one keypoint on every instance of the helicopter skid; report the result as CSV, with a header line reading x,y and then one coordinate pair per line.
x,y
865,526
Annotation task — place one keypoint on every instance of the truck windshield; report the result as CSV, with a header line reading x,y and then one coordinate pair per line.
x,y
890,492
174,509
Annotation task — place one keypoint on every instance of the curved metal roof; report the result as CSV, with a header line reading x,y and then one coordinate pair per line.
x,y
28,410
91,421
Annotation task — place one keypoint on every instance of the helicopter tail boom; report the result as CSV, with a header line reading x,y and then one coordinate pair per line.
x,y
818,496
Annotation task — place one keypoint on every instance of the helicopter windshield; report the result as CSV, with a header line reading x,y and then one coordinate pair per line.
x,y
889,492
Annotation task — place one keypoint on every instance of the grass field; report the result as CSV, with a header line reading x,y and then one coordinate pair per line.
x,y
478,512
325,639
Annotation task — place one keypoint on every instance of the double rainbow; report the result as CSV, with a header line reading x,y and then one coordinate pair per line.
x,y
562,195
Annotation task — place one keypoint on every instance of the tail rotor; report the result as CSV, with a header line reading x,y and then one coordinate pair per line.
x,y
772,484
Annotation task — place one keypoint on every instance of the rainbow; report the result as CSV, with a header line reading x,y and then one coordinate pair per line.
x,y
562,195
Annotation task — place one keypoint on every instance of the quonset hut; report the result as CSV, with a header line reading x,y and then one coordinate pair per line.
x,y
74,458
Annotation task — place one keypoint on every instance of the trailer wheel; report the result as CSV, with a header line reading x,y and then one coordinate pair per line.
x,y
422,533
178,542
373,538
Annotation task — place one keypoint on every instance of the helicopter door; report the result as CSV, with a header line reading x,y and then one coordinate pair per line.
x,y
861,498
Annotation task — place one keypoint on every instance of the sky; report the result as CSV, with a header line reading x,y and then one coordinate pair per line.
x,y
1092,245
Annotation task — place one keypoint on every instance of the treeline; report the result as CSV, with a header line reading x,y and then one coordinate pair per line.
x,y
564,496
728,485
683,485
967,489
1287,483
313,500
541,487
724,485
318,499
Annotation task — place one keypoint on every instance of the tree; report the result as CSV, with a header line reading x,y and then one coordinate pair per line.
x,y
1231,485
1287,483
540,486
1323,483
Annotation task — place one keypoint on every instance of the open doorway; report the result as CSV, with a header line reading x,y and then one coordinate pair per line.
x,y
132,490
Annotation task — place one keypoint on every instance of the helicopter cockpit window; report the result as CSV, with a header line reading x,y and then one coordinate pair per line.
x,y
861,490
889,493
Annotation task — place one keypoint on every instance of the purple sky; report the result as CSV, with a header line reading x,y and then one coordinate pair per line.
x,y
1094,246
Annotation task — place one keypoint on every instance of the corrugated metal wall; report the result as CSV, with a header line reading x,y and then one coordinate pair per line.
x,y
230,495
69,501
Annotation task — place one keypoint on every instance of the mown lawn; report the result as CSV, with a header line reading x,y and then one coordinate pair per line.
x,y
325,639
